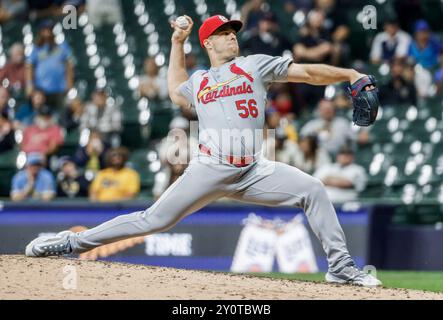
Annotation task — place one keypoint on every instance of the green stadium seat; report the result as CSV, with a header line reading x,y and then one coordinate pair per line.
x,y
433,12
8,159
8,168
364,155
426,214
70,144
139,160
5,182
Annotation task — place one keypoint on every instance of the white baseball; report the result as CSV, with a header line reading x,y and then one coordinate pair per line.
x,y
182,22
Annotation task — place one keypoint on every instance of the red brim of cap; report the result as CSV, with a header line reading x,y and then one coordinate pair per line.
x,y
235,24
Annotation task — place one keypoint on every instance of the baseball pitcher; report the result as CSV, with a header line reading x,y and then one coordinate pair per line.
x,y
229,99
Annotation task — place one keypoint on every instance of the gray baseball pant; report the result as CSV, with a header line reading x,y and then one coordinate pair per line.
x,y
205,180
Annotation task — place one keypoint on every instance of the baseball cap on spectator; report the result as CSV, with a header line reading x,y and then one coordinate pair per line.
x,y
34,158
46,24
421,25
269,16
346,150
100,90
44,110
211,24
64,160
310,135
391,20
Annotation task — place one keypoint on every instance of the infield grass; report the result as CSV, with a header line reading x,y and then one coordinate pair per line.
x,y
423,280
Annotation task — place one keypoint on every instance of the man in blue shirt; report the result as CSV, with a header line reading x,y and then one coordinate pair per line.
x,y
425,48
34,182
49,67
26,112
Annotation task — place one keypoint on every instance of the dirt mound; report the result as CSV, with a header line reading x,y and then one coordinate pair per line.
x,y
58,278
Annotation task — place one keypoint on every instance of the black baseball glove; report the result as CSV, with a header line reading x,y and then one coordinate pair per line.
x,y
365,102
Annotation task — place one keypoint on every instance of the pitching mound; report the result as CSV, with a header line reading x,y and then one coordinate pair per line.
x,y
55,278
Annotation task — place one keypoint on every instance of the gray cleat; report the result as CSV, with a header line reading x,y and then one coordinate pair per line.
x,y
45,246
352,275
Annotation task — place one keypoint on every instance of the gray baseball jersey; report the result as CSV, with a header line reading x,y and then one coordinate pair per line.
x,y
231,98
230,102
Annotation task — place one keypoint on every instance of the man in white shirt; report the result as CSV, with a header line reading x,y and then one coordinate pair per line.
x,y
102,114
104,12
391,43
332,131
344,179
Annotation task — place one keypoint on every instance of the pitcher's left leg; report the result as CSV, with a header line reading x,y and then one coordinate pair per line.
x,y
278,184
273,183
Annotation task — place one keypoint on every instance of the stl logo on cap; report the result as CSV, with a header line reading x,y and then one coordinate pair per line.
x,y
211,24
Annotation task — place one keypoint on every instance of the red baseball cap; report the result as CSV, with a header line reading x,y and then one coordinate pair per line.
x,y
213,23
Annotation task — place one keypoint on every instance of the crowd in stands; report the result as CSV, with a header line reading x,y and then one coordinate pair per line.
x,y
323,145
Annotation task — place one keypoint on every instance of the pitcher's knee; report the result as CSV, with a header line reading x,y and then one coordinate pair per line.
x,y
316,188
158,221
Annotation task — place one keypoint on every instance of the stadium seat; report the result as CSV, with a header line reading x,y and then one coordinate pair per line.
x,y
70,144
433,12
141,160
8,168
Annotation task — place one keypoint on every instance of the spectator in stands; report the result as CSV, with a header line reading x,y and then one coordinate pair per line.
x,y
391,43
104,12
39,9
251,13
70,182
408,12
116,182
266,39
364,136
191,63
44,135
71,118
26,112
191,66
282,101
438,76
175,151
314,46
399,89
344,179
14,69
309,156
7,140
34,182
291,6
336,25
152,84
342,101
281,145
278,147
92,156
5,109
102,114
315,42
282,121
425,47
57,10
49,67
12,9
333,132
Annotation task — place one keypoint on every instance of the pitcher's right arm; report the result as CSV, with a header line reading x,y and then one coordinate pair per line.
x,y
177,71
